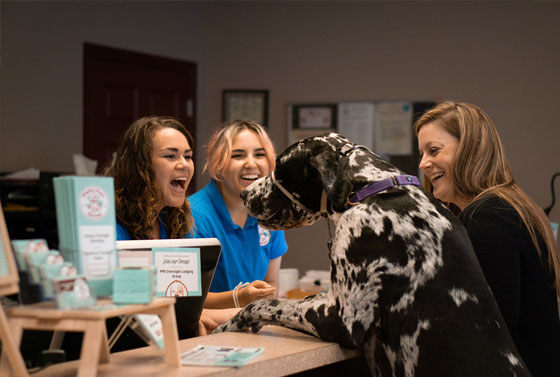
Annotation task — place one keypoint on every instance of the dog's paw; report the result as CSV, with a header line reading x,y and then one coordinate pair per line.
x,y
241,322
224,327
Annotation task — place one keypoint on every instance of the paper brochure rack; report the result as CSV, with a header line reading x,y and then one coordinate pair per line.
x,y
45,316
9,280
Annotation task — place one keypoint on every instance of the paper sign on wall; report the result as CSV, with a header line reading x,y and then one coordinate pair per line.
x,y
394,128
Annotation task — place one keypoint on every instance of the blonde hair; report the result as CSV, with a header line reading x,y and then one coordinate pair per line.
x,y
480,168
219,148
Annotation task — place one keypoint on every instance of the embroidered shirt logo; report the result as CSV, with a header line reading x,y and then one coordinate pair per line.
x,y
264,236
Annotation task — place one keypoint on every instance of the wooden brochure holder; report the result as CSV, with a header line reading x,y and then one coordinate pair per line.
x,y
45,316
8,286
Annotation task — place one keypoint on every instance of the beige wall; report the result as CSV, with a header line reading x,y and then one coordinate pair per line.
x,y
503,56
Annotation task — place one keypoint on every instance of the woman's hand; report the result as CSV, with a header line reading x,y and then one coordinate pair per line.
x,y
256,290
212,318
206,324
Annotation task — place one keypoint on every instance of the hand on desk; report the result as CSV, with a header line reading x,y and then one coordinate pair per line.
x,y
256,290
212,318
245,295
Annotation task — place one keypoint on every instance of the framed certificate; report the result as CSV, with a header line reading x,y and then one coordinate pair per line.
x,y
245,105
314,117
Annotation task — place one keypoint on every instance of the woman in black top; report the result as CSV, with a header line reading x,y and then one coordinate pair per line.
x,y
464,165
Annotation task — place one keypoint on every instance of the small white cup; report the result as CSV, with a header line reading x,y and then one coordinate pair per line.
x,y
288,278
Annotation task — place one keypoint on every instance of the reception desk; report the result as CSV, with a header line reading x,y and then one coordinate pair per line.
x,y
285,352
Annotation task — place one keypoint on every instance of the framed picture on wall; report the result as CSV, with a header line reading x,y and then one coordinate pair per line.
x,y
314,117
246,104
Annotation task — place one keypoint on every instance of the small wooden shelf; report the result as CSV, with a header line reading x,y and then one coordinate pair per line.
x,y
45,316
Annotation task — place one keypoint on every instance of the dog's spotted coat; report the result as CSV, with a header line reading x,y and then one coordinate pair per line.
x,y
406,287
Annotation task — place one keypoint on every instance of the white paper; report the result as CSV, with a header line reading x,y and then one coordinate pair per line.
x,y
151,324
356,121
84,166
30,173
394,128
97,245
178,273
134,258
220,355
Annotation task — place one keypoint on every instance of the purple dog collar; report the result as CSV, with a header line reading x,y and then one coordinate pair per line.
x,y
379,186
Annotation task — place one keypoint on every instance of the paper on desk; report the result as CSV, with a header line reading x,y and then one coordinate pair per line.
x,y
220,356
84,166
29,173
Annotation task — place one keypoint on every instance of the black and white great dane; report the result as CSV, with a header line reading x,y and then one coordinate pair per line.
x,y
406,287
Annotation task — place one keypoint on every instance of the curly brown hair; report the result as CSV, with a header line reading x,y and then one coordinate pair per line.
x,y
137,195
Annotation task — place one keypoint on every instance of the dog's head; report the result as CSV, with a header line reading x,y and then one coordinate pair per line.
x,y
305,170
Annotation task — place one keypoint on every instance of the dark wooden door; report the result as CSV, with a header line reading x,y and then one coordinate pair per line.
x,y
121,86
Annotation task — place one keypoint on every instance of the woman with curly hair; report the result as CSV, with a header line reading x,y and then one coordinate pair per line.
x,y
464,165
152,169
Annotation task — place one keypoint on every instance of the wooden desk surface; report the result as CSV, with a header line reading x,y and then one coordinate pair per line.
x,y
47,310
285,352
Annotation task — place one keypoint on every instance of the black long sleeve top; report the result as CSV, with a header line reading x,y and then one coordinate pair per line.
x,y
520,280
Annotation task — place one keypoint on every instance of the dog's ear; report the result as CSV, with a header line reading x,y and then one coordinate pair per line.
x,y
336,183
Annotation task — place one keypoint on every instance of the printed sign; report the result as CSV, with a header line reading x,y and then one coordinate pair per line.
x,y
178,271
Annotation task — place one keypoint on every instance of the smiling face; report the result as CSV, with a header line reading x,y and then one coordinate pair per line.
x,y
248,163
438,148
173,165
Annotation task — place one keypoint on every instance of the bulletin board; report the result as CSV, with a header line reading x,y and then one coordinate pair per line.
x,y
385,127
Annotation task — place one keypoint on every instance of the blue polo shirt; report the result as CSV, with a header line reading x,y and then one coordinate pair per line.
x,y
123,235
246,251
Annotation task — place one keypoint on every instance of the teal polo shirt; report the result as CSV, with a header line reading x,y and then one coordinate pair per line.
x,y
246,251
123,235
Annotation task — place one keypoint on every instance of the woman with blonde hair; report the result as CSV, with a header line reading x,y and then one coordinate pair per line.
x,y
238,153
464,165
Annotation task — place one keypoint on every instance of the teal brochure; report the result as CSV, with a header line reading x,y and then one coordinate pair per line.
x,y
22,247
85,208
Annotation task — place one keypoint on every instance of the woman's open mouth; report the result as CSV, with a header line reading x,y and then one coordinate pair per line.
x,y
179,183
436,176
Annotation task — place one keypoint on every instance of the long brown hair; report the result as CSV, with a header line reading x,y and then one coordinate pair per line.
x,y
480,168
137,194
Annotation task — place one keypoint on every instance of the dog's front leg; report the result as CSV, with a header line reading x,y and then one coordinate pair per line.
x,y
312,315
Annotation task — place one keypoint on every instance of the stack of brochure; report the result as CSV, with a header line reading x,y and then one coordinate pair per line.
x,y
85,211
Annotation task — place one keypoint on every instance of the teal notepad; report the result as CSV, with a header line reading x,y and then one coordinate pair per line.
x,y
134,285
